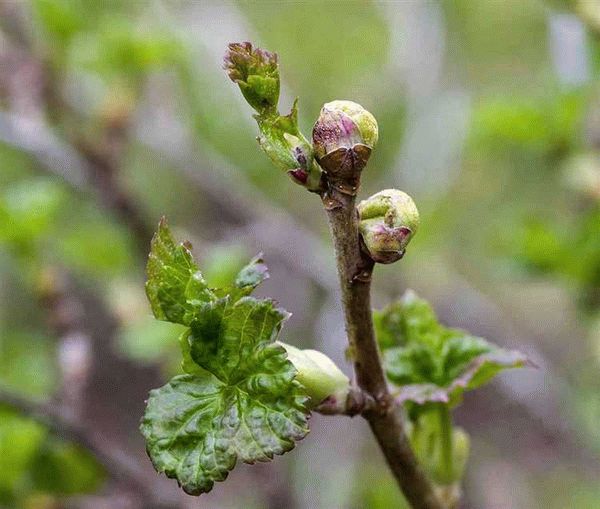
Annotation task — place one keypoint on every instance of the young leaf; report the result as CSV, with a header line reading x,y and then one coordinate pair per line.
x,y
408,318
239,398
242,401
256,72
175,286
433,363
246,280
252,274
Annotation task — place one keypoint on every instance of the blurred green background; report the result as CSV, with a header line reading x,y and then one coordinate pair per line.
x,y
113,113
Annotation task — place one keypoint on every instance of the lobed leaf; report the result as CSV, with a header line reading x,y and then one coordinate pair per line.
x,y
239,398
479,371
197,427
240,402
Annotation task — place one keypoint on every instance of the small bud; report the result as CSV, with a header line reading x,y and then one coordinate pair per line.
x,y
256,72
461,448
388,221
426,441
318,374
343,137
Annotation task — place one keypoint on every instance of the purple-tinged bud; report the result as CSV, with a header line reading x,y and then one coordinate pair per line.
x,y
343,137
299,176
256,72
388,221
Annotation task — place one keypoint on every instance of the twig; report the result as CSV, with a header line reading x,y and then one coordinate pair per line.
x,y
38,141
357,402
385,418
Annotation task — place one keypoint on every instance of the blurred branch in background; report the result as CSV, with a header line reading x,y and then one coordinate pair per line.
x,y
120,465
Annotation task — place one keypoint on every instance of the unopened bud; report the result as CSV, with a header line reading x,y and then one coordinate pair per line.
x,y
426,440
461,448
318,374
388,221
343,137
256,72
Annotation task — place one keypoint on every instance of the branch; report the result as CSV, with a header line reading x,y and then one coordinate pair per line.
x,y
89,169
83,163
385,419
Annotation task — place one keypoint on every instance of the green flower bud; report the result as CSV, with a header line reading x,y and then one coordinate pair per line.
x,y
343,137
318,374
425,440
256,72
461,446
388,221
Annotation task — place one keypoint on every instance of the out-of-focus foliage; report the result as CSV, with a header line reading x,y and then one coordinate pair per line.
x,y
33,463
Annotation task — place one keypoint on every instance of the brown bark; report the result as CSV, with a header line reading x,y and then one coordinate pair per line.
x,y
385,417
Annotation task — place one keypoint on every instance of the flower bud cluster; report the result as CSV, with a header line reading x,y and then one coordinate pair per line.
x,y
343,137
387,222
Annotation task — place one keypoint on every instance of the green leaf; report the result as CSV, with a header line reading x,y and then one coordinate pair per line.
x,y
404,320
252,274
415,363
65,469
175,286
432,363
239,397
29,210
241,402
20,439
256,72
247,279
225,339
458,351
